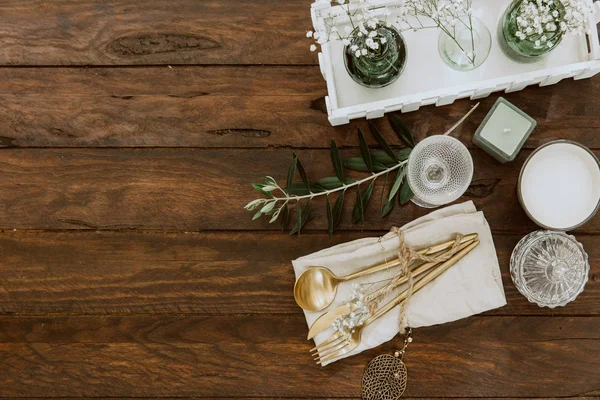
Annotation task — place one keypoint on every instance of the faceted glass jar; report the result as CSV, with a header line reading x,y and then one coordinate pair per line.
x,y
468,48
380,69
524,50
549,268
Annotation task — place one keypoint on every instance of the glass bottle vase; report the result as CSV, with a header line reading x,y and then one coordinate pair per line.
x,y
381,68
466,45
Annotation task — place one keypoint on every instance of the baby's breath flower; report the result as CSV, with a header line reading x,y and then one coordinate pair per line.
x,y
542,20
309,34
313,47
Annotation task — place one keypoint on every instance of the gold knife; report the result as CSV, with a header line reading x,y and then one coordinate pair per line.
x,y
326,319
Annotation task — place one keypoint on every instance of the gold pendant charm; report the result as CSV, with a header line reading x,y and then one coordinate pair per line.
x,y
385,377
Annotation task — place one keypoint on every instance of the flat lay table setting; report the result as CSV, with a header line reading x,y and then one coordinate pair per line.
x,y
364,199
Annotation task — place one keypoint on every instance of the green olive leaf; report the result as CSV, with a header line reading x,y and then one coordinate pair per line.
x,y
405,193
382,143
336,160
364,151
401,130
302,173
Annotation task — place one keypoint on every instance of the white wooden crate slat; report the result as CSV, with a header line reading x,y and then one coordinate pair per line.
x,y
426,80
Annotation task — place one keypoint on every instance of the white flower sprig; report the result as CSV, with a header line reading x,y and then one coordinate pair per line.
x,y
543,22
346,324
361,35
447,15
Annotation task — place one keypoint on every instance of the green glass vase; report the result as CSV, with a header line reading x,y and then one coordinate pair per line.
x,y
524,50
380,68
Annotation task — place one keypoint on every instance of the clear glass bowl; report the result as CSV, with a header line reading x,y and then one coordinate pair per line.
x,y
549,268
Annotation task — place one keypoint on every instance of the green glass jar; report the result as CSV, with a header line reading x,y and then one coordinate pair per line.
x,y
377,68
531,48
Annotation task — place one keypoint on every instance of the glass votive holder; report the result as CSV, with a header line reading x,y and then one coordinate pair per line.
x,y
549,268
504,131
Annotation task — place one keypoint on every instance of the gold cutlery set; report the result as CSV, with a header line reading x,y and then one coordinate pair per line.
x,y
316,289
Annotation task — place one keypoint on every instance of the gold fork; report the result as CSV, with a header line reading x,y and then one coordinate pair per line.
x,y
339,344
325,320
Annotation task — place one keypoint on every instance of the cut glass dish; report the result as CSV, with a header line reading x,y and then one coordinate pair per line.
x,y
549,268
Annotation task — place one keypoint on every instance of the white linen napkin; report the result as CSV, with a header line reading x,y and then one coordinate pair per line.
x,y
471,286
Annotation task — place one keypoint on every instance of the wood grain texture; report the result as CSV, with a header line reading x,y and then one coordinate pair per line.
x,y
108,273
249,356
128,32
187,189
232,106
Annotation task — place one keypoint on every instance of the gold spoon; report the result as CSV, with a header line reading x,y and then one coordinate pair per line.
x,y
326,319
316,287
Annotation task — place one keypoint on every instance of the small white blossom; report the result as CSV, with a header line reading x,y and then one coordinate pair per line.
x,y
545,20
309,34
313,47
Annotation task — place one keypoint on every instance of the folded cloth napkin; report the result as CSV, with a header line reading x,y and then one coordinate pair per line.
x,y
471,286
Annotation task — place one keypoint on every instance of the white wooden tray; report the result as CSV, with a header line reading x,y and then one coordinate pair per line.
x,y
428,80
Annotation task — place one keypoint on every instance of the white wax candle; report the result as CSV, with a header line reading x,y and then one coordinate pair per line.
x,y
560,185
505,129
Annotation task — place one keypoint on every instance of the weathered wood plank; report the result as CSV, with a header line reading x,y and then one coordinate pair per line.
x,y
236,356
238,107
208,273
128,32
191,189
318,398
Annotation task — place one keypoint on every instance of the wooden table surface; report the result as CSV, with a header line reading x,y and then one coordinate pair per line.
x,y
131,131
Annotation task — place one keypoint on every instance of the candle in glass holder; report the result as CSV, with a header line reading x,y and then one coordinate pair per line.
x,y
559,185
504,131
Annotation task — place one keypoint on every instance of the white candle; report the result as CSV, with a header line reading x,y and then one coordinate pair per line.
x,y
504,131
560,185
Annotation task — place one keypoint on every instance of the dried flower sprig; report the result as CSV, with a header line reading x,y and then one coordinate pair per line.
x,y
362,35
544,22
357,302
445,15
278,201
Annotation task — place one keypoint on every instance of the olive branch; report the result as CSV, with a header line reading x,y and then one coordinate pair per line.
x,y
280,200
